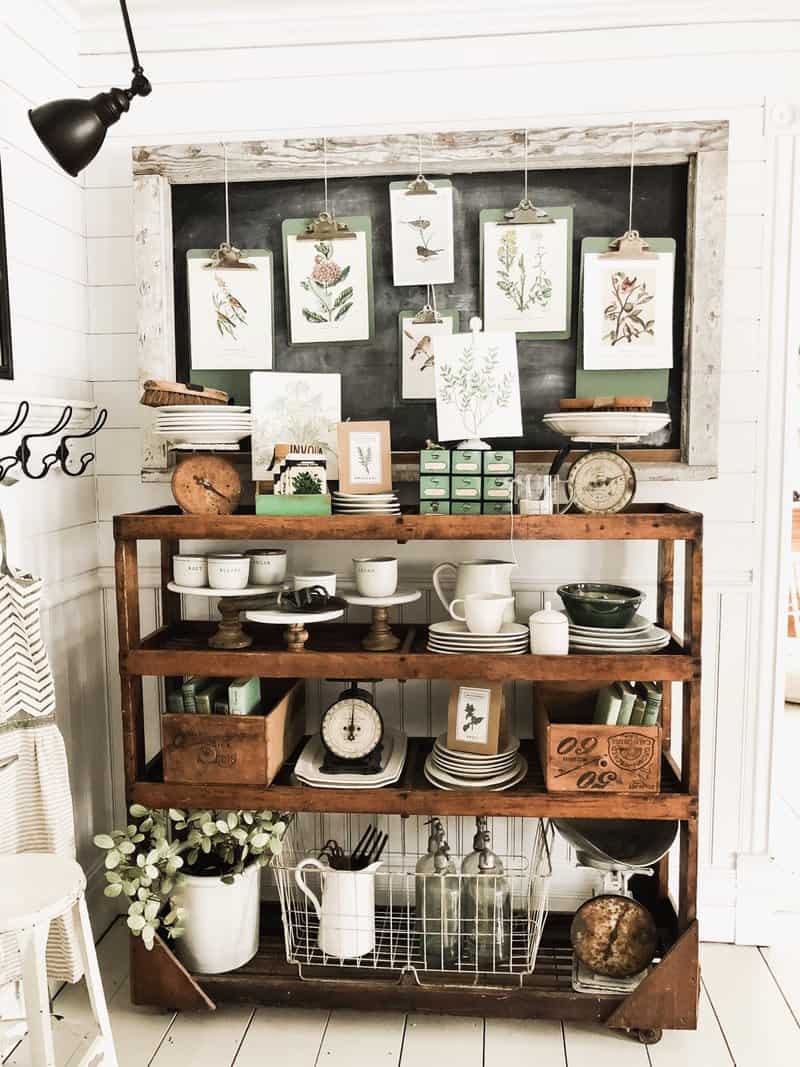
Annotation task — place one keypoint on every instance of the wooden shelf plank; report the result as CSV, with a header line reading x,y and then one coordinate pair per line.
x,y
641,522
334,651
414,795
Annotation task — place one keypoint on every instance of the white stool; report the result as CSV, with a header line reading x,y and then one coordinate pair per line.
x,y
35,888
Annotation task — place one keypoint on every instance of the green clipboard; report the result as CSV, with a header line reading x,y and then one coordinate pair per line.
x,y
590,383
356,223
497,215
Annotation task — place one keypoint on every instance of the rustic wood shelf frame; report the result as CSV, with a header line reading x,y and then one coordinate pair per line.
x,y
703,144
667,998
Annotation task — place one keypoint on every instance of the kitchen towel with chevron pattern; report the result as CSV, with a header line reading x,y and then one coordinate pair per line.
x,y
35,800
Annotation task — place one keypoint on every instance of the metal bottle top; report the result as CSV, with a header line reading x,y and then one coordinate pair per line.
x,y
436,837
441,860
487,861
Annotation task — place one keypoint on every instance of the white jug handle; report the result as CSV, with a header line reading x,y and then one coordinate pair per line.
x,y
298,877
437,585
570,497
452,609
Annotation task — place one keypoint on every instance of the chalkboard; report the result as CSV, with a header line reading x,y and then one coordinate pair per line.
x,y
370,378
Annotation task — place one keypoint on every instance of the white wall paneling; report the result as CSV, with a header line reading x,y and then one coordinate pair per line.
x,y
247,72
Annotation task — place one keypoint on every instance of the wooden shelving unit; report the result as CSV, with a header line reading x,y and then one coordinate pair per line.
x,y
667,997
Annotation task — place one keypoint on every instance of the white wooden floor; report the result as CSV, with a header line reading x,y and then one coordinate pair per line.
x,y
749,1016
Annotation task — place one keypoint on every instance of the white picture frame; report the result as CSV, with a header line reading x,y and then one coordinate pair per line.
x,y
526,275
418,341
627,308
477,386
231,311
328,284
423,242
289,407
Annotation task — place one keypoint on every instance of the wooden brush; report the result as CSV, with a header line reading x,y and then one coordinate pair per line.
x,y
164,394
606,403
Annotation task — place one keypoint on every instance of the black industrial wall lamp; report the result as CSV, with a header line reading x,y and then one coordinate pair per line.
x,y
73,131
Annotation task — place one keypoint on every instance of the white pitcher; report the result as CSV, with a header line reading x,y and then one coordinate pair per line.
x,y
347,912
478,576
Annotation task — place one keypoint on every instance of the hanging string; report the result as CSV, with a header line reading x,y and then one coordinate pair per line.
x,y
419,155
428,294
325,170
630,191
525,181
433,297
227,199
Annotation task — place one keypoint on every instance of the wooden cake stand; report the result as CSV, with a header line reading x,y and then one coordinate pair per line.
x,y
229,635
380,637
295,633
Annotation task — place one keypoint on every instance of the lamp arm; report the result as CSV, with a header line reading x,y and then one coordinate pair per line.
x,y
140,86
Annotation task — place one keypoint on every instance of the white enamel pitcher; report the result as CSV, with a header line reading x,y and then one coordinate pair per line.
x,y
478,576
347,912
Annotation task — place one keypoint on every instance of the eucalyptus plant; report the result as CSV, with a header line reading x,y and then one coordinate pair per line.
x,y
145,861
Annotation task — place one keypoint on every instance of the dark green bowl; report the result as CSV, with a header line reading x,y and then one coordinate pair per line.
x,y
599,604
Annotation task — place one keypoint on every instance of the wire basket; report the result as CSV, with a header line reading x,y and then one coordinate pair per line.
x,y
367,923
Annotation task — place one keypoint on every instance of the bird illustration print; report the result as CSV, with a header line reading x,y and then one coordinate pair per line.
x,y
424,235
230,312
423,348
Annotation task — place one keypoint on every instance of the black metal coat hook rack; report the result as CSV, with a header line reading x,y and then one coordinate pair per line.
x,y
22,457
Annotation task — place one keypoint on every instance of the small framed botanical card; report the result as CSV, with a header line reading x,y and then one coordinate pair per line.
x,y
475,717
418,341
293,408
526,274
230,310
365,457
626,307
328,283
422,234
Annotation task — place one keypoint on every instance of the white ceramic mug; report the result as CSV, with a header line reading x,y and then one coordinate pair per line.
x,y
191,571
347,912
228,570
327,579
376,576
267,565
483,612
549,632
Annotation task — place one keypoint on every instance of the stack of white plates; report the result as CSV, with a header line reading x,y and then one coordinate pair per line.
x,y
606,425
448,769
308,768
204,425
640,635
453,638
365,504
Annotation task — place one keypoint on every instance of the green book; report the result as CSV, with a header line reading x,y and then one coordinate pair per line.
x,y
637,715
652,710
221,707
191,684
297,504
205,697
609,701
628,700
244,695
175,702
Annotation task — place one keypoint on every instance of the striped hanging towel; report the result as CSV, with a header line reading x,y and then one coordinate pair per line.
x,y
35,800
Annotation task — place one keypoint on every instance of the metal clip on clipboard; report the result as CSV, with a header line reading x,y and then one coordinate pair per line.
x,y
326,228
629,246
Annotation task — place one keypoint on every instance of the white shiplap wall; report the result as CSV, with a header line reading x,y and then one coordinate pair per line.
x,y
52,523
237,81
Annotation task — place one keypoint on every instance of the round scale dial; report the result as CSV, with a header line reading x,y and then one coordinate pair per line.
x,y
206,485
351,728
601,482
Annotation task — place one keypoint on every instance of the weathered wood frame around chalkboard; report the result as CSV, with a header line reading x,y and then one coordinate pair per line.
x,y
702,144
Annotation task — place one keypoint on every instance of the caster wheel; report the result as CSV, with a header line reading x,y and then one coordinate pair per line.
x,y
649,1037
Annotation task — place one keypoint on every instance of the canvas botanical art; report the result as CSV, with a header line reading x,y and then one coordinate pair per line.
x,y
294,409
627,312
418,343
230,310
527,274
328,284
422,234
477,386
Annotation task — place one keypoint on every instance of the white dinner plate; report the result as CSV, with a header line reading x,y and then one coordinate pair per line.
x,y
451,628
441,744
355,508
358,497
227,424
191,409
637,624
499,782
606,423
476,646
461,651
472,768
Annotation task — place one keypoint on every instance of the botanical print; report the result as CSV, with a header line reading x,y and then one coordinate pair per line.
x,y
422,235
230,312
365,458
297,409
328,286
330,302
477,386
627,316
418,343
526,275
627,312
472,715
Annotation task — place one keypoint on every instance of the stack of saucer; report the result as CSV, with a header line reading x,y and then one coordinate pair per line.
x,y
365,504
447,769
640,635
452,638
204,426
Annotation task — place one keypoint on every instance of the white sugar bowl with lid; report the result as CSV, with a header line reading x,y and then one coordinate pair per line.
x,y
549,632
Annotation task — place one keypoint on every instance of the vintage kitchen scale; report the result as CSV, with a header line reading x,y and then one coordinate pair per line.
x,y
351,730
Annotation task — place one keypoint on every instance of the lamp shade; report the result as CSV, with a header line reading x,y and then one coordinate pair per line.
x,y
73,131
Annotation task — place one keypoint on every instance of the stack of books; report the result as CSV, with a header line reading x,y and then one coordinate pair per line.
x,y
216,696
628,704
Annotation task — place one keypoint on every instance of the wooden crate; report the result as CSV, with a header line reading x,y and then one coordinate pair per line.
x,y
236,749
578,756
